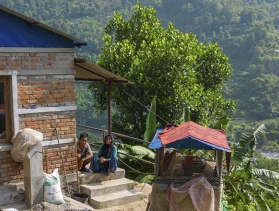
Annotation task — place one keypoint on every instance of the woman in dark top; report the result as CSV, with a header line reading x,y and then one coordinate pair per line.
x,y
106,162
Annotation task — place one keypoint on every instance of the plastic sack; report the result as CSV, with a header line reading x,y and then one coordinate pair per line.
x,y
52,189
22,141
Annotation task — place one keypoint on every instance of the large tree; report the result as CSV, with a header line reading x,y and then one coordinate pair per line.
x,y
182,73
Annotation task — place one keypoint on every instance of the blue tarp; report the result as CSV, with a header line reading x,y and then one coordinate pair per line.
x,y
17,32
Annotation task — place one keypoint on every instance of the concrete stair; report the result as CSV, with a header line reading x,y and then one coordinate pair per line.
x,y
11,193
115,199
87,177
109,190
104,191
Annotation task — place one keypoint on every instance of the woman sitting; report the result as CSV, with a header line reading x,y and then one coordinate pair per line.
x,y
106,162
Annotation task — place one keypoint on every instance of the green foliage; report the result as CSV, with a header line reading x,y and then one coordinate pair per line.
x,y
86,114
245,186
142,152
165,63
151,122
246,31
149,179
266,163
136,169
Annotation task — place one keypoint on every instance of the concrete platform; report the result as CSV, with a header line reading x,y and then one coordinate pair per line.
x,y
110,190
107,187
88,177
116,199
11,193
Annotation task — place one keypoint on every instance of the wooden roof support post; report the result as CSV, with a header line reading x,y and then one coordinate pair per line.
x,y
109,108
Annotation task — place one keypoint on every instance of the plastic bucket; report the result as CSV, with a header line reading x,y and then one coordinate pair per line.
x,y
81,197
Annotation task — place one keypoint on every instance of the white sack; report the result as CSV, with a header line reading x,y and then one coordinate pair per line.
x,y
22,141
52,189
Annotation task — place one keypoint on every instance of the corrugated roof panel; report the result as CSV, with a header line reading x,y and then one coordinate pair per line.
x,y
88,71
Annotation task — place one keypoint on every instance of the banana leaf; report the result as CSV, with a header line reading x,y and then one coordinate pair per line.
x,y
140,150
151,122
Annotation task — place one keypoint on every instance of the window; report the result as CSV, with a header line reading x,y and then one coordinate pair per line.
x,y
4,112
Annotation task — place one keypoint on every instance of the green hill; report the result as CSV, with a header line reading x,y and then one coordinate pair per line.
x,y
247,31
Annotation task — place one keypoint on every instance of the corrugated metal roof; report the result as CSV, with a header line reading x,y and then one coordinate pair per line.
x,y
37,23
88,71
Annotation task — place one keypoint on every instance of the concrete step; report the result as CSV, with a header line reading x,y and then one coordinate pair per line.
x,y
116,199
107,187
11,197
87,177
11,193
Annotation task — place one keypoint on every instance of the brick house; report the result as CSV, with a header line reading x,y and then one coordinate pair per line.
x,y
37,90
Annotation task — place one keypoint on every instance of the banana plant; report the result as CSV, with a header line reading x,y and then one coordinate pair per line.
x,y
151,122
245,187
136,169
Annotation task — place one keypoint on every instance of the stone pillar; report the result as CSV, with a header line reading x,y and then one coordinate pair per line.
x,y
33,176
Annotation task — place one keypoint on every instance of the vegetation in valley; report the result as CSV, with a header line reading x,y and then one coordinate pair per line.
x,y
246,31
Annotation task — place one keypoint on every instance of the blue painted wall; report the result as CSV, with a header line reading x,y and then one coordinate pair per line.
x,y
17,32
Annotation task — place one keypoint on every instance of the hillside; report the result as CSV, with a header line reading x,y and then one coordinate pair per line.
x,y
247,31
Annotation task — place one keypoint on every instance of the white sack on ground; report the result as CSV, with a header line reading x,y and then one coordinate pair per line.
x,y
52,188
22,141
196,195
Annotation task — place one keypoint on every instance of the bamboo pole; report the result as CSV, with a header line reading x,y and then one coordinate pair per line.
x,y
78,187
63,164
46,163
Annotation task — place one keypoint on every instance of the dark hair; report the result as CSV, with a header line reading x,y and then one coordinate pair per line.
x,y
83,135
104,141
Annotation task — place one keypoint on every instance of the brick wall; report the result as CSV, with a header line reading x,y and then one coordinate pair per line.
x,y
47,90
55,161
10,170
64,121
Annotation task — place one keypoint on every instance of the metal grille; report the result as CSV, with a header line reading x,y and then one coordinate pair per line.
x,y
182,165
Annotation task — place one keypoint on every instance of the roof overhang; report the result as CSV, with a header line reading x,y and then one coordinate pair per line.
x,y
88,71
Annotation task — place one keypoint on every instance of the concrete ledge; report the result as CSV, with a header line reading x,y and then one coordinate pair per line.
x,y
87,177
6,147
116,199
35,50
107,187
47,109
55,142
45,72
12,187
46,143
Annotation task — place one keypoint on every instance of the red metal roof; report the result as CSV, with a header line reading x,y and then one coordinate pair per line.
x,y
191,129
